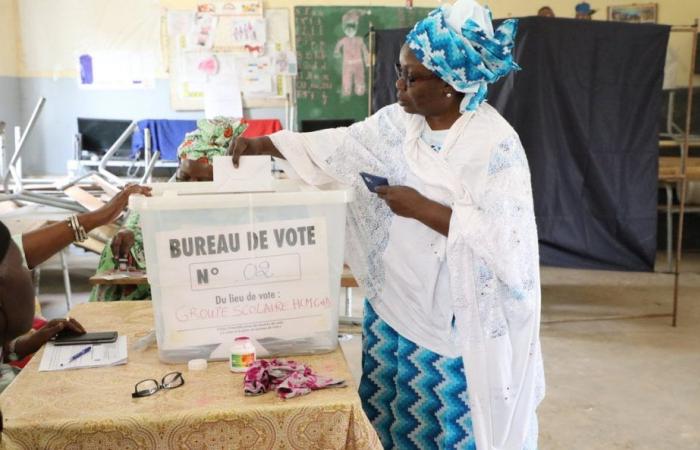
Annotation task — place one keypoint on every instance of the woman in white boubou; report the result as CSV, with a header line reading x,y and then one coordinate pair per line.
x,y
447,254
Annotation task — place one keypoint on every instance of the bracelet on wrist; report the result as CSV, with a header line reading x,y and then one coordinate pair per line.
x,y
79,233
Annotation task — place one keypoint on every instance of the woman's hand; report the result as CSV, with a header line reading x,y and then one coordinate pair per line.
x,y
31,342
122,243
407,202
402,200
242,145
252,146
111,211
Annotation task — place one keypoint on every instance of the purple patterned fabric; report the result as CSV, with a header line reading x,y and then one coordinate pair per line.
x,y
288,378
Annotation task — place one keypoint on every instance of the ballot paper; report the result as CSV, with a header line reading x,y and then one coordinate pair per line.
x,y
58,357
254,174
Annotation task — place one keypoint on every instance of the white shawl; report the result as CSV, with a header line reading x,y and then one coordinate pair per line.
x,y
491,254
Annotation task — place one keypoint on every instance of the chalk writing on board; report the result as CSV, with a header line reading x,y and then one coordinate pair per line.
x,y
314,82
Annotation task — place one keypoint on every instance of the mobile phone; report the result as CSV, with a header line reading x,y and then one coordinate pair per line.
x,y
101,337
373,181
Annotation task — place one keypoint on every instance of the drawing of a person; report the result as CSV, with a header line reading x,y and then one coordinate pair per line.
x,y
355,55
282,62
203,30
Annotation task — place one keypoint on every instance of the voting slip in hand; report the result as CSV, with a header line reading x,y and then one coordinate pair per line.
x,y
254,174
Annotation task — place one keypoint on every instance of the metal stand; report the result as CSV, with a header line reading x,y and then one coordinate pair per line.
x,y
348,282
693,30
66,278
20,139
102,168
2,148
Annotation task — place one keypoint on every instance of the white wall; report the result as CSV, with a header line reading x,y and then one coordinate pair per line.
x,y
8,38
49,33
9,82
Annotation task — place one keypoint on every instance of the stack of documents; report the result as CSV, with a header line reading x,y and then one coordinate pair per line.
x,y
59,357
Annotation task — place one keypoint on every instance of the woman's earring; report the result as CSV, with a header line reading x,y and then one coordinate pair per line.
x,y
448,95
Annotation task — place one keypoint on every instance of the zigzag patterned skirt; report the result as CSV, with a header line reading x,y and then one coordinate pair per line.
x,y
416,399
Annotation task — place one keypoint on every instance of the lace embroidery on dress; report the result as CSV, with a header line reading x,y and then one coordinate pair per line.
x,y
497,301
491,250
378,150
503,245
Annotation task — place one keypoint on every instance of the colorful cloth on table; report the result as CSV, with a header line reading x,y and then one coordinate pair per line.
x,y
107,263
474,293
288,378
211,138
457,42
415,398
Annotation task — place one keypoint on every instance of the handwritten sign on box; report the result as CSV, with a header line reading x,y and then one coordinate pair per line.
x,y
259,280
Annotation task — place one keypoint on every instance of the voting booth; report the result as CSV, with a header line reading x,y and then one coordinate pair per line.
x,y
266,265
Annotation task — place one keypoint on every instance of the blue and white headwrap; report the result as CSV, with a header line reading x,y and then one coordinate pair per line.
x,y
457,42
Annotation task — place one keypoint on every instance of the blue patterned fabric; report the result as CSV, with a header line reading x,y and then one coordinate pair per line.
x,y
416,399
467,59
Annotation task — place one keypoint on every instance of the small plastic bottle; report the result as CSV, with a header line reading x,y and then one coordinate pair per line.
x,y
242,354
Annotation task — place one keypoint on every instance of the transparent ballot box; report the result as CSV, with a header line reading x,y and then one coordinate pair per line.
x,y
266,265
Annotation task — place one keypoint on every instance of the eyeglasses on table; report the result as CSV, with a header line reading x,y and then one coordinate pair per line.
x,y
148,387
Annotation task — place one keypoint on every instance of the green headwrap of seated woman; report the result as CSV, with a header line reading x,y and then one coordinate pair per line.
x,y
211,138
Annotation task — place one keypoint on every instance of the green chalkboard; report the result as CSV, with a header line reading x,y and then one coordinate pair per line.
x,y
332,44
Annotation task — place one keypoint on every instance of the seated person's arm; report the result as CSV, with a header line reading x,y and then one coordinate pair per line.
x,y
31,342
121,245
39,245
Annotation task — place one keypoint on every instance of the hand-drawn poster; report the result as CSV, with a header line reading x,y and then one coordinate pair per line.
x,y
333,56
242,38
255,74
241,34
233,7
202,31
285,62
